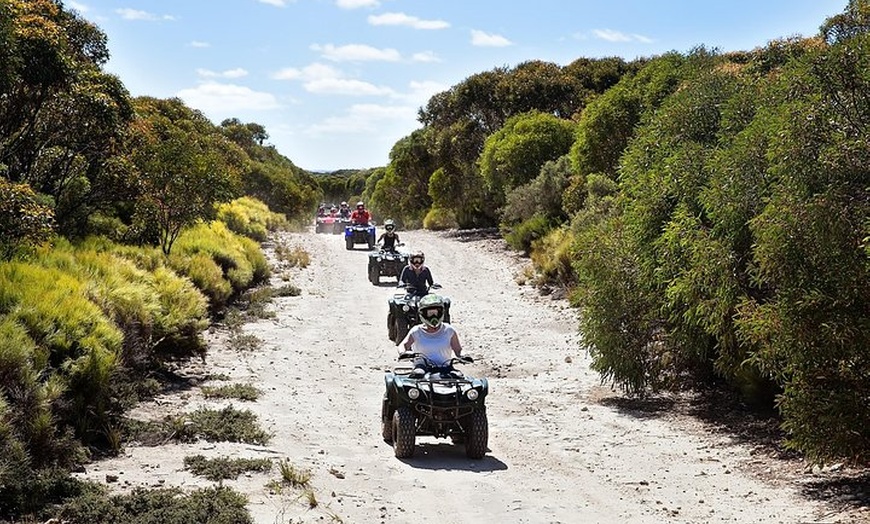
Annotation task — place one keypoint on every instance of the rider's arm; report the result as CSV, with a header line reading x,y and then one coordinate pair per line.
x,y
408,342
455,345
429,277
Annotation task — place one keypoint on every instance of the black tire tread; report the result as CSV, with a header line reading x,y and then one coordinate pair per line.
x,y
477,435
404,429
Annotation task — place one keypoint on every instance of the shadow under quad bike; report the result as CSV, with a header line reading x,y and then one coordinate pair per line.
x,y
386,263
403,312
440,402
359,234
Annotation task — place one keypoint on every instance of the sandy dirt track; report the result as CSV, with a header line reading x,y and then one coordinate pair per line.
x,y
563,449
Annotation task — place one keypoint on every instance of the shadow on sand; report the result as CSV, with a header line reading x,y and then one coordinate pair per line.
x,y
449,457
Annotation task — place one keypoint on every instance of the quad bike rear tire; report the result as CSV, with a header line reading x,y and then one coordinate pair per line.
x,y
402,328
348,243
386,421
404,432
374,274
476,435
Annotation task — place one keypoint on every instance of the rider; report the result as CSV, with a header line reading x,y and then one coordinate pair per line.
x,y
321,209
389,238
343,210
361,216
415,276
433,338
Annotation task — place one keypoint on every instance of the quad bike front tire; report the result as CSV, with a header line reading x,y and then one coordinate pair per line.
x,y
391,328
386,421
476,435
402,329
371,241
348,243
404,432
374,274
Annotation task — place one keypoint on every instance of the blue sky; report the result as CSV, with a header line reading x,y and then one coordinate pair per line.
x,y
337,82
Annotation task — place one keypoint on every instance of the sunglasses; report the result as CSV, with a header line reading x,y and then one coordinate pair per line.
x,y
416,261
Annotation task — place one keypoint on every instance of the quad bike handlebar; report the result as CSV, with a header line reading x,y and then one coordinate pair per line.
x,y
410,355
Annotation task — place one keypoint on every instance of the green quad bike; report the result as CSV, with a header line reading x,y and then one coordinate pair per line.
x,y
441,402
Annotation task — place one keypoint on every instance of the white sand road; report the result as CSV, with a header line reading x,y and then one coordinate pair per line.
x,y
563,449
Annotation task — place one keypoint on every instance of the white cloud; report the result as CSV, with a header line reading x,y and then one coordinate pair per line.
x,y
356,52
421,92
226,99
482,39
410,21
198,44
354,4
364,118
229,73
136,14
326,80
345,86
425,56
310,72
81,8
276,3
617,36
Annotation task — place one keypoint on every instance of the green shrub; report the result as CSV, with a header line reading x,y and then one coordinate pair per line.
x,y
228,425
215,505
552,256
521,236
223,468
241,260
439,219
250,217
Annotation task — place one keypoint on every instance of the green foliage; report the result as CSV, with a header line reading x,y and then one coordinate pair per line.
x,y
522,235
205,246
215,505
541,195
223,468
552,257
60,115
184,167
734,245
24,222
403,191
237,391
439,219
514,155
228,425
250,217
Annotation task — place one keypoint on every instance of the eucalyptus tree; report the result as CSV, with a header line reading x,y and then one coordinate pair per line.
x,y
184,166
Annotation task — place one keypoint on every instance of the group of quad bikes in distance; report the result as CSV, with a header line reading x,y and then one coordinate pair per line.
x,y
442,402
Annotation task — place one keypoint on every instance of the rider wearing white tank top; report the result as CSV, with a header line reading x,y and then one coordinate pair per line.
x,y
434,345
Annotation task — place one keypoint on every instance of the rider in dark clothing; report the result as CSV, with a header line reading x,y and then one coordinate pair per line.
x,y
389,238
416,277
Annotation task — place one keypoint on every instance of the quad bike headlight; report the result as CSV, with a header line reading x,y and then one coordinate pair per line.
x,y
472,394
406,308
413,393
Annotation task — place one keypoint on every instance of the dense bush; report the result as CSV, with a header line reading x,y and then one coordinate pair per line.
x,y
439,219
250,217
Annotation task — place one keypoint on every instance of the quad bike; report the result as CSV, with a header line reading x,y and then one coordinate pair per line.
x,y
440,402
359,234
403,312
340,224
324,224
386,263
